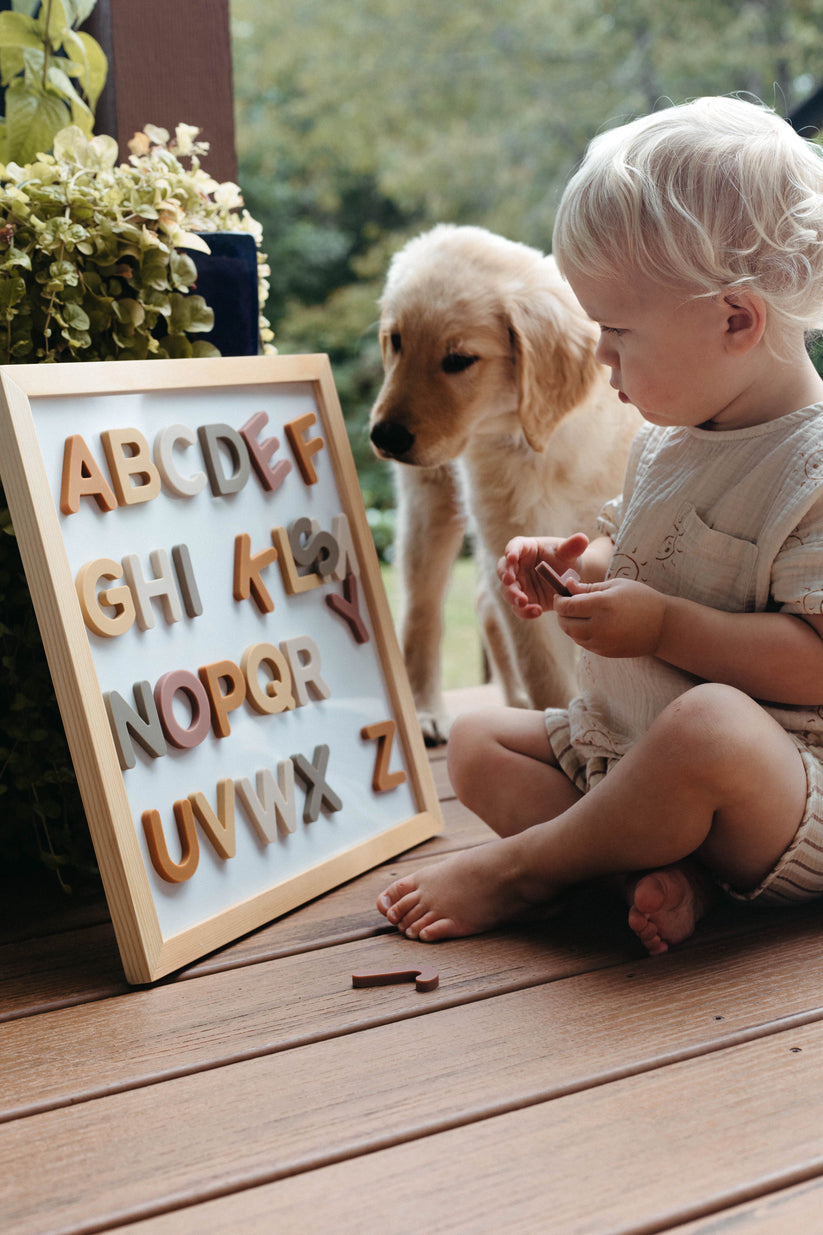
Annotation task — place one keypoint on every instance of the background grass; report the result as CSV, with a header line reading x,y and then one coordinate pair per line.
x,y
462,656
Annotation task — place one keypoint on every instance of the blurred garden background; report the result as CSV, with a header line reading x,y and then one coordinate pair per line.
x,y
362,122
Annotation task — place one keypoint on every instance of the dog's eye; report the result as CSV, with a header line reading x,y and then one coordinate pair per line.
x,y
454,362
396,342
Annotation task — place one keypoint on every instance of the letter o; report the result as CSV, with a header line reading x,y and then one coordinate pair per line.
x,y
182,682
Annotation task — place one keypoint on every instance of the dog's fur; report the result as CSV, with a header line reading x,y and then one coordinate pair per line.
x,y
495,406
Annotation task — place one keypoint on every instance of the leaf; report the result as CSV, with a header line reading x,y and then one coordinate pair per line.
x,y
182,269
190,240
77,11
18,31
76,317
190,314
88,52
31,121
55,14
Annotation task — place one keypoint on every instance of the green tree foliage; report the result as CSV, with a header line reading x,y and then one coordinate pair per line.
x,y
360,122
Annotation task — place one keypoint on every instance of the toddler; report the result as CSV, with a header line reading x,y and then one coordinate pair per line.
x,y
693,757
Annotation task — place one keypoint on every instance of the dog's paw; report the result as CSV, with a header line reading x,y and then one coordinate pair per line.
x,y
435,727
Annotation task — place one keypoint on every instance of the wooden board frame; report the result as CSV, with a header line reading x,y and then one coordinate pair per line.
x,y
33,399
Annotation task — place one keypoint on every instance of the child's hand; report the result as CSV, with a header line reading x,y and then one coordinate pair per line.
x,y
619,617
526,592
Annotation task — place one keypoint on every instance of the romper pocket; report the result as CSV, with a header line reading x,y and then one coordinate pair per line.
x,y
710,567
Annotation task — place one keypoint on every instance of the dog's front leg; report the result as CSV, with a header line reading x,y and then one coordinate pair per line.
x,y
431,527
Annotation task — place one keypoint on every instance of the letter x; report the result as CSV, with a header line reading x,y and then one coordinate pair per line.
x,y
313,776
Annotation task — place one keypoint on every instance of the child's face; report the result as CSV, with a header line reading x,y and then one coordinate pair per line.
x,y
667,350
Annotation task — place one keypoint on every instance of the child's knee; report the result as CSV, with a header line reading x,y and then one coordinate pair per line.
x,y
467,751
711,725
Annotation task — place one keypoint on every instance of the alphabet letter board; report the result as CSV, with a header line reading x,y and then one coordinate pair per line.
x,y
218,637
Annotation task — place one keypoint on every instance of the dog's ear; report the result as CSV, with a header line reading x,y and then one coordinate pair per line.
x,y
553,345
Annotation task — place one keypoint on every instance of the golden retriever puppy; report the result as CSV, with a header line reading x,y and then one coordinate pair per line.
x,y
500,417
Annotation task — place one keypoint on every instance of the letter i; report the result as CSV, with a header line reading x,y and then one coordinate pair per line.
x,y
181,558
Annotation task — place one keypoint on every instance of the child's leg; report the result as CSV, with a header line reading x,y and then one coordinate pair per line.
x,y
715,776
502,767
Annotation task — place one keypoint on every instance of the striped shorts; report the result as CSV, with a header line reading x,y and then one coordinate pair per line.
x,y
797,876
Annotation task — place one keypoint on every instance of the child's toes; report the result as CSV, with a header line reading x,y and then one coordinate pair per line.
x,y
397,900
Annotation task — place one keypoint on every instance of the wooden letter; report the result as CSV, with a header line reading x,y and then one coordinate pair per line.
x,y
303,656
347,563
313,776
347,607
383,732
276,696
260,453
82,477
247,568
117,598
218,827
211,436
172,872
221,704
302,449
273,807
165,688
134,476
185,577
164,443
143,725
319,551
292,582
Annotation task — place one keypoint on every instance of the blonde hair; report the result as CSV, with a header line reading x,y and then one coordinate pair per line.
x,y
713,195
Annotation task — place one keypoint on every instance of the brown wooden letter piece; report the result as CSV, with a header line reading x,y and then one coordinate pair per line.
x,y
425,978
383,733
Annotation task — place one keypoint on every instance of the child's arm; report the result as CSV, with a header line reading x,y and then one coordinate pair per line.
x,y
530,595
777,657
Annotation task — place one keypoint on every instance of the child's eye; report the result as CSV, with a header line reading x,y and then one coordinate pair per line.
x,y
618,330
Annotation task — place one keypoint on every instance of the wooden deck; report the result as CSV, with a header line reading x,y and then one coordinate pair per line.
x,y
557,1081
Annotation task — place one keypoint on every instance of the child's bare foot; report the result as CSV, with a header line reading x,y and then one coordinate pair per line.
x,y
667,904
462,895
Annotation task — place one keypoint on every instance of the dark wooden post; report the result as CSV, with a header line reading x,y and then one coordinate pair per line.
x,y
169,64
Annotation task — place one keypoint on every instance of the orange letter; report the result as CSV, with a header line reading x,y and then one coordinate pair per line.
x,y
302,449
82,478
383,733
247,568
221,704
172,872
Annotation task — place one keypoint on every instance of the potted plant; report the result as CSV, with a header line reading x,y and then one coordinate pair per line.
x,y
96,256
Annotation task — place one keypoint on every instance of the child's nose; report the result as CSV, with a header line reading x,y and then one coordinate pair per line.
x,y
605,351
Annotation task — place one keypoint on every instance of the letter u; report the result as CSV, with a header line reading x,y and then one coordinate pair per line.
x,y
173,872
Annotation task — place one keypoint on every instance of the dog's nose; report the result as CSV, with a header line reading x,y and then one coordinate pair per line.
x,y
392,438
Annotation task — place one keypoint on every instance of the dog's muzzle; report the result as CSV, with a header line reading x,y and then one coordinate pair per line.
x,y
392,439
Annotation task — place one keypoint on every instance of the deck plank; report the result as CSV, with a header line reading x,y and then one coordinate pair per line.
x,y
430,1136
638,1155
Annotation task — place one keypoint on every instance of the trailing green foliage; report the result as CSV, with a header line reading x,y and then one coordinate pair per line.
x,y
52,74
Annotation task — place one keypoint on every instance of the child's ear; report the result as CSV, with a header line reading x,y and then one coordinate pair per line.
x,y
745,318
